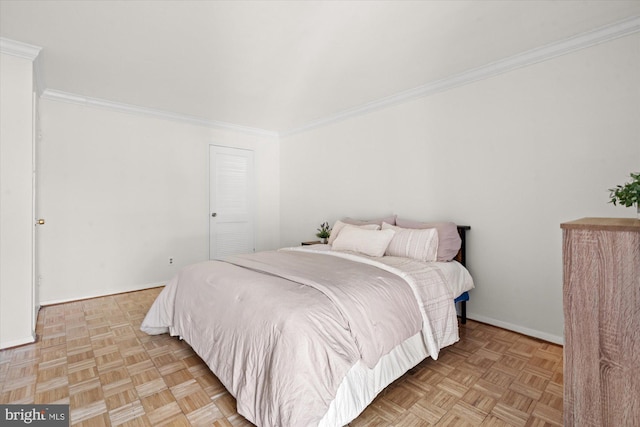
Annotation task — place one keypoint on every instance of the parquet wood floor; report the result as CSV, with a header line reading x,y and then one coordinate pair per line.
x,y
92,355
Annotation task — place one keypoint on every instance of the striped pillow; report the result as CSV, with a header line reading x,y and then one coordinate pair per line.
x,y
412,243
449,241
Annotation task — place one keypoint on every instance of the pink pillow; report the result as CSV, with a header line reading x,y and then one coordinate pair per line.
x,y
389,220
449,241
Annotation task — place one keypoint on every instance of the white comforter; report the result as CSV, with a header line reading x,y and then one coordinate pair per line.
x,y
282,329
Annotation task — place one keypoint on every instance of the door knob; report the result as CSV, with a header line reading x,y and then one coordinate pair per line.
x,y
214,214
41,221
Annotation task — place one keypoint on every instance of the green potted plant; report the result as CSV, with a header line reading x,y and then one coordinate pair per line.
x,y
324,232
627,194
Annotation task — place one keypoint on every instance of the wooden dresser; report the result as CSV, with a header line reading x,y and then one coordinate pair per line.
x,y
601,294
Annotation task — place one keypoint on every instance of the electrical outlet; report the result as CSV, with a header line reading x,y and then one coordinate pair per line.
x,y
170,260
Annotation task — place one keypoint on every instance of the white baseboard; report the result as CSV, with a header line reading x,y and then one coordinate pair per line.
x,y
517,328
20,341
103,294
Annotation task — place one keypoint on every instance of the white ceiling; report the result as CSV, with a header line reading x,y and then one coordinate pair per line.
x,y
278,65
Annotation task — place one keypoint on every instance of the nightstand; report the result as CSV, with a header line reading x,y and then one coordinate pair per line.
x,y
313,242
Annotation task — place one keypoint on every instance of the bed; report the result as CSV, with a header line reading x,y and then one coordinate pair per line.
x,y
308,336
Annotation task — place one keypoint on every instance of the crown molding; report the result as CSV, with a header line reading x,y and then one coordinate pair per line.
x,y
587,39
19,49
71,98
26,51
523,59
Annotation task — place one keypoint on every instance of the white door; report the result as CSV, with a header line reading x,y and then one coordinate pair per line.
x,y
231,201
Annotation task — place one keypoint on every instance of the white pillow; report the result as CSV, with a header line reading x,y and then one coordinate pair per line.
x,y
413,243
368,242
339,225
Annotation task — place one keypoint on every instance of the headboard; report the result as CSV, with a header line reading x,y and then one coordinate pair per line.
x,y
461,257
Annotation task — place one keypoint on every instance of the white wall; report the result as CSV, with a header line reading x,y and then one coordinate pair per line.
x,y
16,201
512,156
121,193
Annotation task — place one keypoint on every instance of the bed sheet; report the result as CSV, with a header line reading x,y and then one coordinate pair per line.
x,y
457,277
